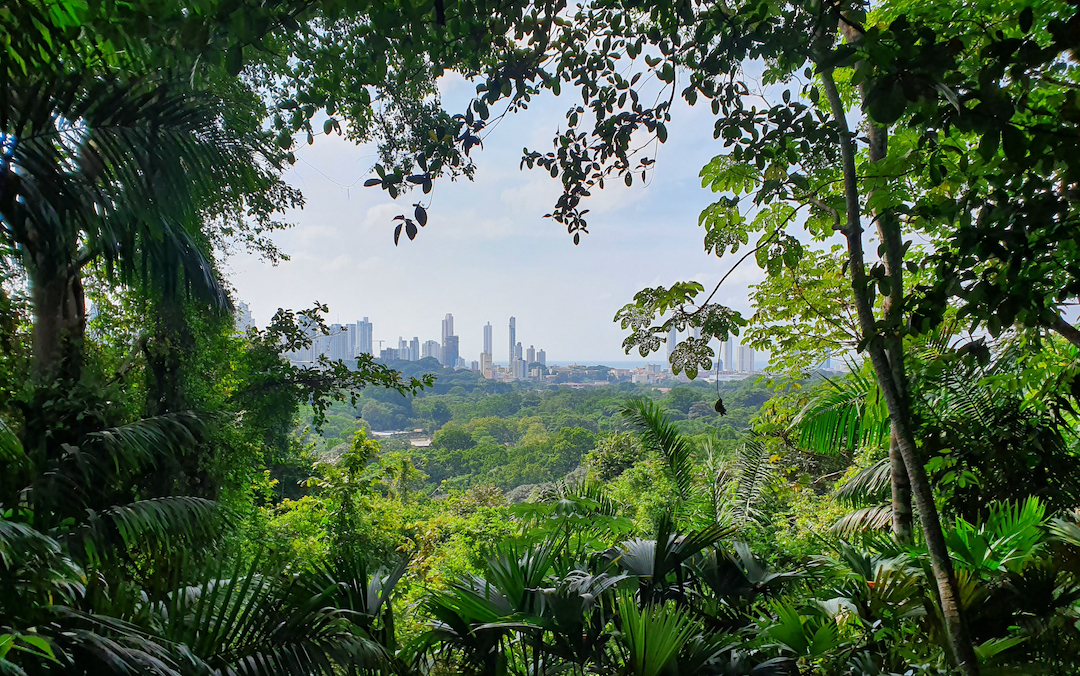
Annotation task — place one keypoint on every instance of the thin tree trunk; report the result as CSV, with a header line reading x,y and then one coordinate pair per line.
x,y
948,593
902,519
888,227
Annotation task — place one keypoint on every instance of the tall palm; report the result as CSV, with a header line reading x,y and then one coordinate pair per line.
x,y
98,168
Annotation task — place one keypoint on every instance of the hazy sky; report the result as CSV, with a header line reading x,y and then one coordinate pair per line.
x,y
487,252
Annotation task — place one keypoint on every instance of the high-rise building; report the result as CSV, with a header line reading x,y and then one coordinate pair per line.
x,y
672,339
364,343
729,365
447,327
513,339
449,355
487,338
450,351
351,330
414,349
242,317
541,357
485,364
746,359
530,355
517,352
339,344
431,348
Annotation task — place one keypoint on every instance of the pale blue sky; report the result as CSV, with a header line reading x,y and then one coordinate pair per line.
x,y
487,252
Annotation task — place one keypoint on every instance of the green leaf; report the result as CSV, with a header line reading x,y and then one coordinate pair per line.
x,y
234,60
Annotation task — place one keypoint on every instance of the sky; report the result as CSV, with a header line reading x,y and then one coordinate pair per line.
x,y
487,253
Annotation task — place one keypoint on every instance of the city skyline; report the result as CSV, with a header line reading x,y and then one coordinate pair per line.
x,y
345,341
487,253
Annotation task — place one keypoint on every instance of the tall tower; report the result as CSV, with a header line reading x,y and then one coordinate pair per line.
x,y
513,339
487,338
449,354
729,365
363,337
447,327
672,339
746,359
414,349
530,355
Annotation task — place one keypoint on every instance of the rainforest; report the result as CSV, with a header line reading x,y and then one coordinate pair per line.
x,y
180,496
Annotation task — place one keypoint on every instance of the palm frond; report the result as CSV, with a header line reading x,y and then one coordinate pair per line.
x,y
150,525
239,620
131,447
653,636
660,435
871,484
123,170
873,518
752,474
11,447
844,415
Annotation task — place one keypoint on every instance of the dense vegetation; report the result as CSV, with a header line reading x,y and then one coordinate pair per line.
x,y
178,498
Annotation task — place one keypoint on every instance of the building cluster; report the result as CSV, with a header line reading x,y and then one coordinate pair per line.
x,y
348,341
342,341
522,364
733,358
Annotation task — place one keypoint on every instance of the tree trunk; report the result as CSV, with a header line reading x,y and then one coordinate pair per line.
x,y
948,592
892,257
902,519
59,323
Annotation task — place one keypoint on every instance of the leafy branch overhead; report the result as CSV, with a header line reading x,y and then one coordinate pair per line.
x,y
650,305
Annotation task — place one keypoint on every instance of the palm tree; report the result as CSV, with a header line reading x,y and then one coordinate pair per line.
x,y
748,473
97,168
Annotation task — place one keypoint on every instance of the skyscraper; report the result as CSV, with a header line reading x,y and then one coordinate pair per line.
x,y
431,348
517,352
487,338
339,345
672,339
541,357
450,351
363,337
414,349
449,354
242,316
447,326
729,365
746,359
513,340
530,355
